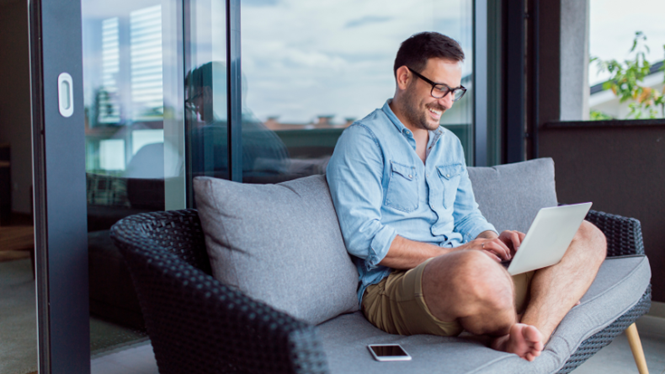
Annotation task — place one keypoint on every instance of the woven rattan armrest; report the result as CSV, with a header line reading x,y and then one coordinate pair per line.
x,y
199,325
624,234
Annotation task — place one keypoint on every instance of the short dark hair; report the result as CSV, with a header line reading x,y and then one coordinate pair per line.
x,y
417,49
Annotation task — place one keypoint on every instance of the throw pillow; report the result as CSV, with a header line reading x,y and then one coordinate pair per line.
x,y
511,195
279,243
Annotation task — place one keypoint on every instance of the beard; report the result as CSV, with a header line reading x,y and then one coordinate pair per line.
x,y
417,117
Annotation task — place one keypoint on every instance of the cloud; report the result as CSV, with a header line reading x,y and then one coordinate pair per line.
x,y
366,20
259,3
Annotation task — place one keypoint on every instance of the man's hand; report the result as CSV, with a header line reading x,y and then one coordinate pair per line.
x,y
500,248
513,239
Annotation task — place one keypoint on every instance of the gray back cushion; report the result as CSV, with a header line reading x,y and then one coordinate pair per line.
x,y
510,195
279,243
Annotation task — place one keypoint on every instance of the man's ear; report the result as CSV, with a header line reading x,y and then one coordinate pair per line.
x,y
403,77
206,94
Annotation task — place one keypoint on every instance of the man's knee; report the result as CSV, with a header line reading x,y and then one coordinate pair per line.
x,y
483,283
592,240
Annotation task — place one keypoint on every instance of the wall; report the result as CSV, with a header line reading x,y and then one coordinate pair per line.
x,y
15,125
574,60
619,168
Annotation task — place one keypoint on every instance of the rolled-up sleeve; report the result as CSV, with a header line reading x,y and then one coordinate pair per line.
x,y
354,176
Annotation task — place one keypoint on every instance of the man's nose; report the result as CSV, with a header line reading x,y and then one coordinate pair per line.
x,y
446,101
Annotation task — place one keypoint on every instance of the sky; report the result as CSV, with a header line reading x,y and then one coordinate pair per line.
x,y
304,58
612,27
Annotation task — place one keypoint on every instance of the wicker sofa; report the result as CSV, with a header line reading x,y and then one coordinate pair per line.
x,y
198,324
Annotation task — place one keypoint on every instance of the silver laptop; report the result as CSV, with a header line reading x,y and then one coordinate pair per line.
x,y
548,238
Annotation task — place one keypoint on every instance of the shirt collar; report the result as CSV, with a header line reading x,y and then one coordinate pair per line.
x,y
433,135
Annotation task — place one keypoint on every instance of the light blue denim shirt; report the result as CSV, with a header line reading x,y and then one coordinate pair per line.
x,y
381,188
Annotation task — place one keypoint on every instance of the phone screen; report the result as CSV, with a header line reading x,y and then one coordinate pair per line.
x,y
388,350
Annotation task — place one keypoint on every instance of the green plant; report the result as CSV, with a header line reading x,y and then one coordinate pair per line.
x,y
625,82
595,115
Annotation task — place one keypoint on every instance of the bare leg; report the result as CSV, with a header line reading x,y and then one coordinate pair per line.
x,y
469,287
556,289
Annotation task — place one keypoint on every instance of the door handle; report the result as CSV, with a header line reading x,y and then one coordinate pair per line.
x,y
65,95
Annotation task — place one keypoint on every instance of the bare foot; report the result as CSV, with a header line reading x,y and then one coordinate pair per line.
x,y
523,340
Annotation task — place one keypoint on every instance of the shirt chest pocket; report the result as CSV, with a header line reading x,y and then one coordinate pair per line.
x,y
402,193
450,178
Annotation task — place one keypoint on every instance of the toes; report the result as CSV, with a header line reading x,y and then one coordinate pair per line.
x,y
539,347
532,334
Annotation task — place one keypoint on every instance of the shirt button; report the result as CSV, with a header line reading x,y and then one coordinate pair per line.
x,y
447,175
410,176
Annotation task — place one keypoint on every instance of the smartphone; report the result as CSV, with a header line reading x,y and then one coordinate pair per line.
x,y
388,352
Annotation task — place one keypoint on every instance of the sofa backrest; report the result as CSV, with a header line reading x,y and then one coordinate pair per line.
x,y
510,195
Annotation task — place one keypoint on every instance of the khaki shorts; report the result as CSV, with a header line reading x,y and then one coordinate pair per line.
x,y
396,304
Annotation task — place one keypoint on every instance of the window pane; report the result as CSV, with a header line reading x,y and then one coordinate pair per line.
x,y
205,89
134,153
312,68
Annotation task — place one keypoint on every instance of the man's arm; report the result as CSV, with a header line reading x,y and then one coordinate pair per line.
x,y
355,174
407,254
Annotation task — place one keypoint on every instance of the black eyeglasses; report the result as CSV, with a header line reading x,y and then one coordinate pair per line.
x,y
440,90
189,103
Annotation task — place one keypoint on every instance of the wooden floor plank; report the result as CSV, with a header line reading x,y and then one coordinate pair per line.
x,y
16,242
16,238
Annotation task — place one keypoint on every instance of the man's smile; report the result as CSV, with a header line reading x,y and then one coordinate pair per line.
x,y
436,112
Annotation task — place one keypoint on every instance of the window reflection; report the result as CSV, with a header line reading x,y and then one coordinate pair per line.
x,y
146,64
124,93
124,99
265,157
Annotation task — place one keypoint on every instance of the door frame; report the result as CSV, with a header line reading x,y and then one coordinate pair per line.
x,y
61,241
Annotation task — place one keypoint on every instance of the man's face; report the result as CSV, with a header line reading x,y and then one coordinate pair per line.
x,y
200,99
421,109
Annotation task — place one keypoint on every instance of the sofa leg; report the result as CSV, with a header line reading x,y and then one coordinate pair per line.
x,y
636,347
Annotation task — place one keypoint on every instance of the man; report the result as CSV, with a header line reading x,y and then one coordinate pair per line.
x,y
264,156
428,260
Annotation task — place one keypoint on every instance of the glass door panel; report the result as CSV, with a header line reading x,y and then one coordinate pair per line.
x,y
134,139
206,89
312,68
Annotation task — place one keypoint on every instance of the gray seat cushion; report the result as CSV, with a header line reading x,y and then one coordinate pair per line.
x,y
279,243
510,195
619,285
